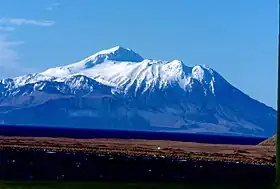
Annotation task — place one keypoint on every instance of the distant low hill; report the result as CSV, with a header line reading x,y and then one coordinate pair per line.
x,y
269,142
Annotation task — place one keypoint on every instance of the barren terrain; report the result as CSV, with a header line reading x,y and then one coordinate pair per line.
x,y
269,142
185,150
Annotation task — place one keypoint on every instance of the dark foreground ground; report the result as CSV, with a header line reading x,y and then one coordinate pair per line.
x,y
121,185
118,160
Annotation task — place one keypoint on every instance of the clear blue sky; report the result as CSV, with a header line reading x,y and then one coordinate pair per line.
x,y
238,38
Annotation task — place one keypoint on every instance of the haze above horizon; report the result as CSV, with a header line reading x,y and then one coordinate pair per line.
x,y
236,38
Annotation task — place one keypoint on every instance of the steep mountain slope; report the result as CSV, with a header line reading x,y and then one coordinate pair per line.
x,y
117,88
269,142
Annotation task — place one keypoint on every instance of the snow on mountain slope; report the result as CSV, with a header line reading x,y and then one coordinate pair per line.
x,y
124,69
117,88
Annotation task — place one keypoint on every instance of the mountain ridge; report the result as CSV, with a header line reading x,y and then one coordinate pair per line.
x,y
118,85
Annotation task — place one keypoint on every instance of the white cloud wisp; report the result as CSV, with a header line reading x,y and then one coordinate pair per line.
x,y
22,21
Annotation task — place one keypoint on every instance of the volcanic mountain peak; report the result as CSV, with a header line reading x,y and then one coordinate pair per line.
x,y
118,88
124,69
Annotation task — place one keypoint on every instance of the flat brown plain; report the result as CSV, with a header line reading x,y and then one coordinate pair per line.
x,y
186,150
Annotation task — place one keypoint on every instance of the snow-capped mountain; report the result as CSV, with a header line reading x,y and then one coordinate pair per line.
x,y
117,88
